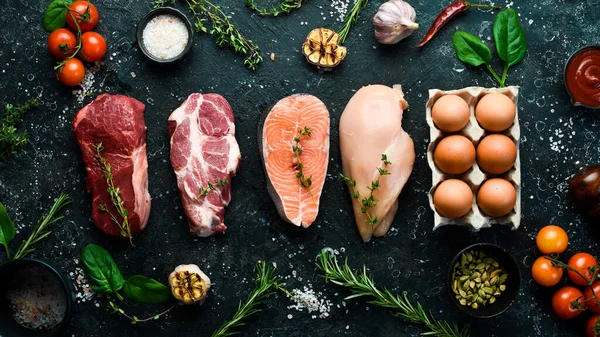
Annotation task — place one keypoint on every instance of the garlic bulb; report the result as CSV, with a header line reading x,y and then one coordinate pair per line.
x,y
394,21
189,284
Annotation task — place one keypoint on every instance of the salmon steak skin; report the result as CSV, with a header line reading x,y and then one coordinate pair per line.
x,y
117,122
371,126
205,156
279,136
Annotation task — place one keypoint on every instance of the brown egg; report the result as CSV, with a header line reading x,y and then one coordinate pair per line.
x,y
450,113
495,112
496,197
496,154
453,198
454,154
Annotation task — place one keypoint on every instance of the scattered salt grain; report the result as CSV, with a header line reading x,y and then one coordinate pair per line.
x,y
311,301
165,36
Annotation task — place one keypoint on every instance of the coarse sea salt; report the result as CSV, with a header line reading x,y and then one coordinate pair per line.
x,y
165,36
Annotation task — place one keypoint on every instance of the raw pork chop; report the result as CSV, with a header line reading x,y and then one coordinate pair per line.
x,y
204,152
117,122
371,125
295,203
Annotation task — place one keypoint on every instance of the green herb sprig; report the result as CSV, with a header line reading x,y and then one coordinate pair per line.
x,y
134,319
304,181
212,187
40,232
370,201
265,283
351,18
361,284
509,37
115,196
285,7
10,139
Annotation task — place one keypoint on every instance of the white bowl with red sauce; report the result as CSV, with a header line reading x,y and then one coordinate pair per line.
x,y
582,77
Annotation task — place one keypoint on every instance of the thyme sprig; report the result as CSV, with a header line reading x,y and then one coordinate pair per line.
x,y
10,139
304,181
285,7
134,319
265,284
576,304
370,201
351,18
115,196
361,284
212,187
41,231
225,32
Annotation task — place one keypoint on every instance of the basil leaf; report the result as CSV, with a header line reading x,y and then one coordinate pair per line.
x,y
101,271
55,16
7,229
146,290
470,49
509,37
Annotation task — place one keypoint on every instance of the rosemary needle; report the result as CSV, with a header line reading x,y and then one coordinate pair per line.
x,y
351,18
362,284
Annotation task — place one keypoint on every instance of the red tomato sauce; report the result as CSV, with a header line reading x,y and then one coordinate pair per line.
x,y
582,77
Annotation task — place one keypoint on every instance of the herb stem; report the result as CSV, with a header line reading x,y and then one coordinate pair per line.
x,y
504,73
285,7
7,251
304,182
351,18
117,310
495,75
10,139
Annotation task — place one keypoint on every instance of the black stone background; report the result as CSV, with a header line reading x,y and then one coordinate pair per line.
x,y
410,258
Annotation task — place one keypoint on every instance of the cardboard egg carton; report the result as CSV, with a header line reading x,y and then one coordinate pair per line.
x,y
474,177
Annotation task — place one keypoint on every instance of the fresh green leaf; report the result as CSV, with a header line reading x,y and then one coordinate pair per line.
x,y
146,290
55,16
7,229
101,270
470,49
509,37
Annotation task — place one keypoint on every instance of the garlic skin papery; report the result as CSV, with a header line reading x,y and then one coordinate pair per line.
x,y
394,21
189,284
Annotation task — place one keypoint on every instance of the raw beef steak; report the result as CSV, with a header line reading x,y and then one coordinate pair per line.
x,y
117,122
204,152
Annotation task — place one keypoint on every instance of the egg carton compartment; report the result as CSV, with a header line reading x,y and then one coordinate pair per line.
x,y
475,176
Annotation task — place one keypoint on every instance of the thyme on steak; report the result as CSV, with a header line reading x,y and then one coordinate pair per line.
x,y
10,139
212,187
224,31
115,196
370,201
285,7
304,181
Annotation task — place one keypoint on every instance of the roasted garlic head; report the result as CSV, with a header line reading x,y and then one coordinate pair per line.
x,y
322,48
189,284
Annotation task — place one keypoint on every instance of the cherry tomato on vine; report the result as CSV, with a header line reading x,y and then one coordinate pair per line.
x,y
62,43
71,73
85,13
544,273
592,329
562,302
93,47
552,239
591,303
582,262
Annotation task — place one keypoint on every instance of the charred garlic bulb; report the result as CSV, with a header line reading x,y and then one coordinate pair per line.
x,y
189,284
322,48
394,21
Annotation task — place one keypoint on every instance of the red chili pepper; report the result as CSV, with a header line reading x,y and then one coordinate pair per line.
x,y
447,14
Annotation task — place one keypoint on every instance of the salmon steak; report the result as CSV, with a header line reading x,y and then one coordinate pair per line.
x,y
294,142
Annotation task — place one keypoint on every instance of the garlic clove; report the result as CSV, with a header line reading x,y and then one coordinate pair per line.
x,y
189,284
394,21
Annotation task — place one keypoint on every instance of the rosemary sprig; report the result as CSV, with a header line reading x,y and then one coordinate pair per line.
x,y
370,201
10,139
362,284
41,229
212,187
351,18
285,7
115,196
265,283
134,319
224,31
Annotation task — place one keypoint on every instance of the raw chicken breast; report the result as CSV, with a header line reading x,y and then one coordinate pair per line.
x,y
371,125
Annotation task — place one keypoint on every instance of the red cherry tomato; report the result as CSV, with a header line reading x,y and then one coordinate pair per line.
x,y
582,262
562,302
62,43
85,13
592,329
591,303
544,273
93,47
71,73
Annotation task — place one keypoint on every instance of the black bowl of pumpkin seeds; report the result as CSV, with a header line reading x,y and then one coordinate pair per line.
x,y
483,280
